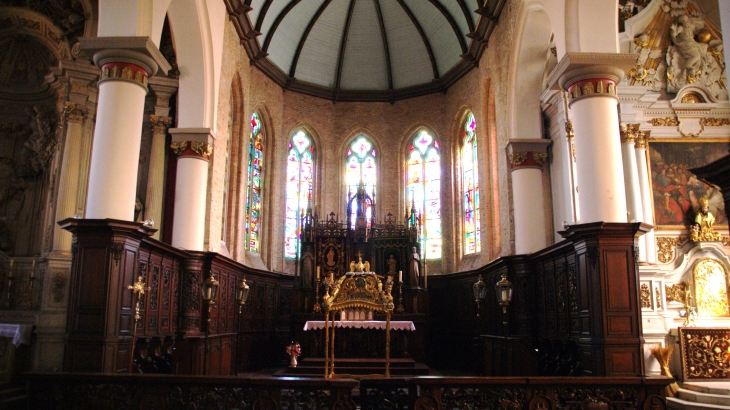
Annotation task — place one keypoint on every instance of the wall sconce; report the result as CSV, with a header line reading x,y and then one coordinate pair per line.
x,y
504,290
242,290
209,288
480,292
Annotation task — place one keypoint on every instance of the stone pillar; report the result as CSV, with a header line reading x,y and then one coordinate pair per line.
x,y
629,133
193,147
154,197
642,167
160,122
74,115
125,63
590,79
527,158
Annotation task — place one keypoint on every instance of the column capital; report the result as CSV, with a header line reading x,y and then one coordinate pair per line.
x,y
590,74
642,139
159,124
131,59
193,149
527,153
75,113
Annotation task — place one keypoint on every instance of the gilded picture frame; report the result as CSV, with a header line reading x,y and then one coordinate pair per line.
x,y
675,190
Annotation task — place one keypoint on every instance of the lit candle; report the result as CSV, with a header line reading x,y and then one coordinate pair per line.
x,y
400,276
317,273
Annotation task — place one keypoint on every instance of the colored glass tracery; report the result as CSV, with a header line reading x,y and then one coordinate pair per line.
x,y
299,188
361,166
424,191
470,187
253,205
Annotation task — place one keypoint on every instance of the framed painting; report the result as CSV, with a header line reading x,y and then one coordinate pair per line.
x,y
676,191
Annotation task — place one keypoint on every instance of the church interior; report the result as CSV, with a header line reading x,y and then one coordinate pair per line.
x,y
392,204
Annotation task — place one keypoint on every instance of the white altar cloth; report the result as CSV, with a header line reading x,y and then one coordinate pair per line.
x,y
19,333
362,324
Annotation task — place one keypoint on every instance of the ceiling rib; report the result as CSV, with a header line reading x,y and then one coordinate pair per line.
x,y
452,22
423,37
385,43
467,15
343,45
262,15
303,40
276,23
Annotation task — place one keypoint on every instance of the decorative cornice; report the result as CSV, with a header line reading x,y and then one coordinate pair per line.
x,y
714,122
527,159
586,65
194,149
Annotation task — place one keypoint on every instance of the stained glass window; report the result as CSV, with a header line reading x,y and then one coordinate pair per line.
x,y
470,186
253,205
299,188
424,190
361,166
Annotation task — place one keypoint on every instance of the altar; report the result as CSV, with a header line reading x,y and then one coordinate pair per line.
x,y
336,258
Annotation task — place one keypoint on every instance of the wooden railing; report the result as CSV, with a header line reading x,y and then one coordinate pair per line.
x,y
95,391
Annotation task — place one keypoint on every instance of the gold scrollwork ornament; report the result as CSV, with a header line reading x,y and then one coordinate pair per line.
x,y
178,147
645,296
665,248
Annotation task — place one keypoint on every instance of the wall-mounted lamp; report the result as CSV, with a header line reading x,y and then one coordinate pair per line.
x,y
242,290
480,292
504,290
209,288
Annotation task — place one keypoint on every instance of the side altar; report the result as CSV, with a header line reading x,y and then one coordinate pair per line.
x,y
331,251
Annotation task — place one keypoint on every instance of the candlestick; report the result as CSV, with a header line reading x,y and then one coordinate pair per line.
x,y
400,276
317,273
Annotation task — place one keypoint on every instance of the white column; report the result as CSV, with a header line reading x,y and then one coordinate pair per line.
x,y
642,167
125,63
594,106
68,179
154,197
527,157
634,205
193,147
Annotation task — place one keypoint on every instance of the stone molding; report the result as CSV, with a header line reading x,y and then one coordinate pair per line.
x,y
595,65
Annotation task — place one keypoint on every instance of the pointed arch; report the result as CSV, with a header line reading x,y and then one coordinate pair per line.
x,y
300,187
361,165
469,145
423,188
255,180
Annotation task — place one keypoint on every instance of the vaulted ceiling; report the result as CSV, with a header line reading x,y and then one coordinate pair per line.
x,y
365,50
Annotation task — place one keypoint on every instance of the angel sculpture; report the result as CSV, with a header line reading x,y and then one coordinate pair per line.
x,y
359,266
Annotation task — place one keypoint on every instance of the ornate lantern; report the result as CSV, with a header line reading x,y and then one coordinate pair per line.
x,y
242,290
504,292
210,289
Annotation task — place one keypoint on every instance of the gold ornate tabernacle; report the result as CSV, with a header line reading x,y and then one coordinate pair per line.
x,y
355,290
